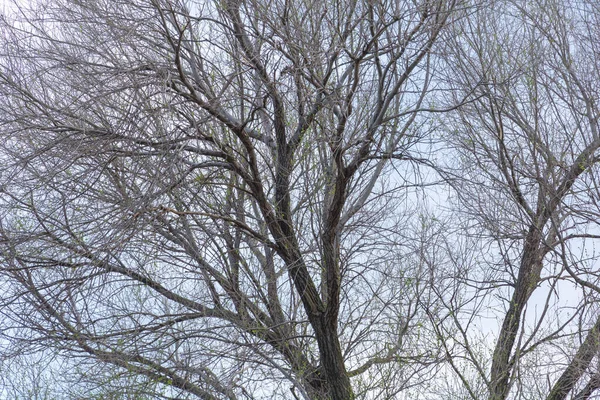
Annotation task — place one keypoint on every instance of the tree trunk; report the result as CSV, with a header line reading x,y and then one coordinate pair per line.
x,y
332,361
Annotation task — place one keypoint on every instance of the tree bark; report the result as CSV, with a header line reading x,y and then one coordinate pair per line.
x,y
332,361
578,366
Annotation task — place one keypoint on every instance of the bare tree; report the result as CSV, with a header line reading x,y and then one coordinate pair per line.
x,y
211,197
528,186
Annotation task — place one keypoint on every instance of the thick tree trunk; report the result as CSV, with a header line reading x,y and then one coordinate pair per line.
x,y
332,362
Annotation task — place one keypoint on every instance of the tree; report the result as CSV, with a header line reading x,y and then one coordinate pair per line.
x,y
528,185
300,199
208,196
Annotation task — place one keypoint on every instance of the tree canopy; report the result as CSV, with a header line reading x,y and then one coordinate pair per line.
x,y
299,199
